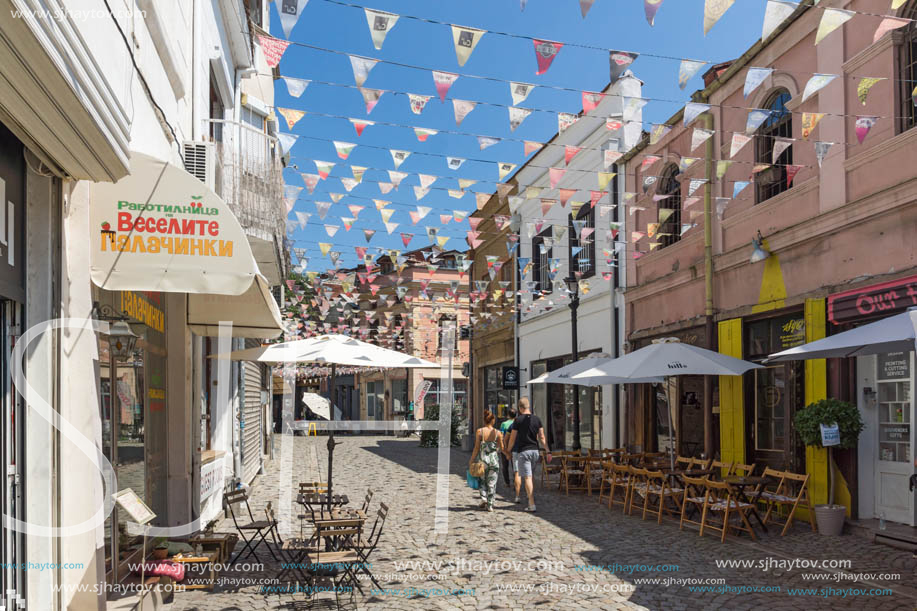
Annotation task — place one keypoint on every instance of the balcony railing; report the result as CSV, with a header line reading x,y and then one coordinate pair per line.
x,y
249,178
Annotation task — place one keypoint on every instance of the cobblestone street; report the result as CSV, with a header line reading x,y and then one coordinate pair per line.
x,y
566,534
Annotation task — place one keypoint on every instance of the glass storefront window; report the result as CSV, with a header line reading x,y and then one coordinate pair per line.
x,y
894,401
497,400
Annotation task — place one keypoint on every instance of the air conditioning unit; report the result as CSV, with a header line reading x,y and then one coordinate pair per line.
x,y
200,161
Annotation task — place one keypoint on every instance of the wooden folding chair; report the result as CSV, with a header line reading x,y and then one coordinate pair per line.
x,y
576,468
366,548
744,469
638,485
683,462
694,495
613,454
313,487
607,477
633,459
721,498
550,468
784,495
369,497
344,537
658,486
724,468
259,529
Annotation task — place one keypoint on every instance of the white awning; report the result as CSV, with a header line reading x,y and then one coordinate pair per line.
x,y
253,314
161,229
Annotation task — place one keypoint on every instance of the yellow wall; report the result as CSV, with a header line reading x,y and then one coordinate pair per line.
x,y
732,401
817,389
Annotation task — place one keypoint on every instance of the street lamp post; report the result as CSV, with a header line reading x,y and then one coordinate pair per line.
x,y
573,287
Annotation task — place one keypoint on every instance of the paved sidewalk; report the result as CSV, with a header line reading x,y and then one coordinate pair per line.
x,y
557,558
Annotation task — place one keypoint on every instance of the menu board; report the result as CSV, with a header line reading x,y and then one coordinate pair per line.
x,y
894,366
135,508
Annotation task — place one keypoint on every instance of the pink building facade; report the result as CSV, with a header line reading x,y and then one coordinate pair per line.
x,y
836,229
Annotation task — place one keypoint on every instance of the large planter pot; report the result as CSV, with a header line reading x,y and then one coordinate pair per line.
x,y
830,519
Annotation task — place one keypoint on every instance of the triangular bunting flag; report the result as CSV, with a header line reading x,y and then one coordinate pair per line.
x,y
530,147
423,133
361,67
687,69
520,91
360,125
443,81
863,125
380,23
817,82
619,62
398,157
465,40
713,10
754,78
832,19
570,152
517,116
273,48
343,148
461,109
485,141
809,121
738,141
295,86
821,151
545,52
418,102
555,174
371,97
591,100
503,169
291,115
699,136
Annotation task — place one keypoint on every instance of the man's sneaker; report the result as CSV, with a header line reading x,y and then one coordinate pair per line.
x,y
530,508
517,501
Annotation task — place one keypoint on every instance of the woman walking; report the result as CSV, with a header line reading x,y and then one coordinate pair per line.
x,y
487,442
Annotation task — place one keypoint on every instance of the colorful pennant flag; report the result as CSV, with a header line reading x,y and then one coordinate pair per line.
x,y
295,86
443,81
816,82
519,91
618,62
291,115
371,97
545,52
809,121
591,100
517,116
821,151
398,157
754,78
360,124
865,84
650,7
776,13
738,141
832,19
461,109
380,23
530,147
465,40
687,69
565,120
555,174
699,136
713,10
423,133
273,48
486,141
863,125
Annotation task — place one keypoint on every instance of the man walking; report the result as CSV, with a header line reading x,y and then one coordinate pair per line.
x,y
506,463
525,433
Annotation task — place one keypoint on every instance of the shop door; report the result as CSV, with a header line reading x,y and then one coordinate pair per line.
x,y
887,404
778,393
11,543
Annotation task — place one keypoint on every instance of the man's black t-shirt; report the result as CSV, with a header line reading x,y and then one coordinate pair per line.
x,y
526,427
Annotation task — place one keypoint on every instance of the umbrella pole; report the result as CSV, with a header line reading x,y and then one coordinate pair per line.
x,y
668,412
331,442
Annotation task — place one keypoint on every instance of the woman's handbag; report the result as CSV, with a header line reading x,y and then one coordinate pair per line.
x,y
473,482
476,469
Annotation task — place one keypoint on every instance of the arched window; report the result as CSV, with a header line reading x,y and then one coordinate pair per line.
x,y
779,125
908,63
669,210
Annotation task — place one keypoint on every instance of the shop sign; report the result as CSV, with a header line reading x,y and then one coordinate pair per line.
x,y
879,300
895,366
211,477
160,228
510,378
830,435
792,333
143,311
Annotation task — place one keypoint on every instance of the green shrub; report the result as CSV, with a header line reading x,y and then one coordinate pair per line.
x,y
829,411
430,439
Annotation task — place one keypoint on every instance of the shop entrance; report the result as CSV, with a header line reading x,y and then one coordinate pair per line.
x,y
11,541
886,401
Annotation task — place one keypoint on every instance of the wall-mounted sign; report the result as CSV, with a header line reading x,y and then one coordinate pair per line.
x,y
875,301
894,366
421,391
211,477
792,333
510,378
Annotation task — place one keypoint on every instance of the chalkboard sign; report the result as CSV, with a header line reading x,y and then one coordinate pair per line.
x,y
895,366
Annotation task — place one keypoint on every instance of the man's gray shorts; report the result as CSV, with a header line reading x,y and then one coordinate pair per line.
x,y
526,461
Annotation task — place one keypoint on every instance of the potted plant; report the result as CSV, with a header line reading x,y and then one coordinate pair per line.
x,y
809,421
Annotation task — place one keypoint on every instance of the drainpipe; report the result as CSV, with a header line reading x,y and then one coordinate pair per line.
x,y
708,287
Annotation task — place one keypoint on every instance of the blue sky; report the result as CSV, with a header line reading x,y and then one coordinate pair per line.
x,y
611,24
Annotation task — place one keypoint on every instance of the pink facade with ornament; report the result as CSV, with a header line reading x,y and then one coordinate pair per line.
x,y
814,196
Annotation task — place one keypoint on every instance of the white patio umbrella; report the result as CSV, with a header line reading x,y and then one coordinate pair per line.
x,y
565,374
333,350
893,334
664,358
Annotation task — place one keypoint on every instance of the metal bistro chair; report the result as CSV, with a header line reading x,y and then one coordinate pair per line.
x,y
369,497
366,548
258,529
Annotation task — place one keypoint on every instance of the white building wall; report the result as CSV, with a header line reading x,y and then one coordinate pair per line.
x,y
545,327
